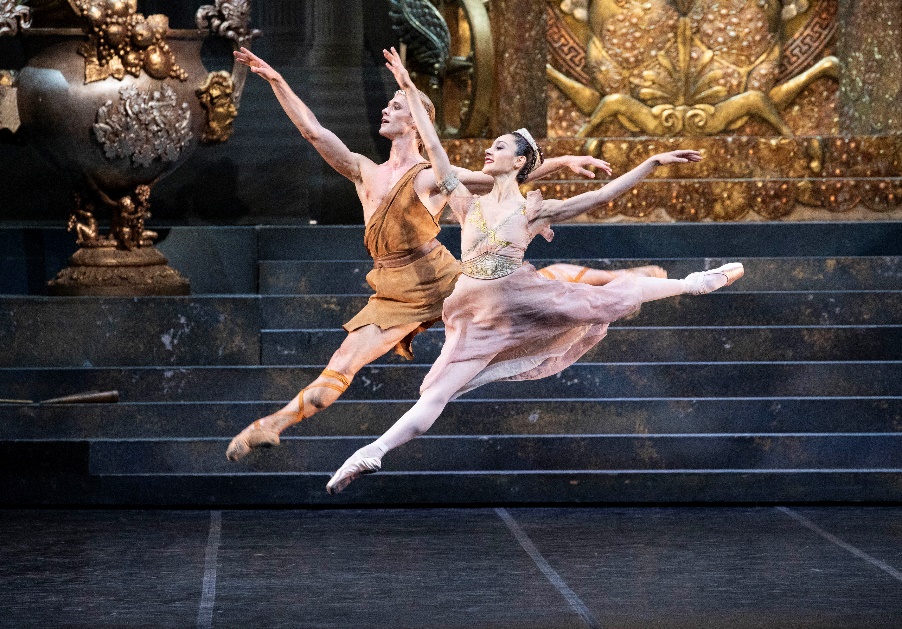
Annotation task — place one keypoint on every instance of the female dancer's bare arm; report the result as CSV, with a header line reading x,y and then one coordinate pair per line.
x,y
327,144
441,165
554,210
480,183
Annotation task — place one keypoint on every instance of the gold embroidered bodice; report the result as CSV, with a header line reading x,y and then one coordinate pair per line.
x,y
501,257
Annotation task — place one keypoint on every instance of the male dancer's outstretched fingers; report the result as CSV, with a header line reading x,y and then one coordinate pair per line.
x,y
256,64
393,63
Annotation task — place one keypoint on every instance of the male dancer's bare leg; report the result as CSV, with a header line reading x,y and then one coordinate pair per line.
x,y
597,277
360,347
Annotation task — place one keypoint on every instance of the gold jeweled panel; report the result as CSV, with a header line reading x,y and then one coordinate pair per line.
x,y
795,105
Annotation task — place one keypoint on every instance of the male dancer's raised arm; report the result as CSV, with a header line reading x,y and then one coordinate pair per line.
x,y
327,144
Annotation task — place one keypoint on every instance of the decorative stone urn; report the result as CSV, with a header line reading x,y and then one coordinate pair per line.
x,y
120,102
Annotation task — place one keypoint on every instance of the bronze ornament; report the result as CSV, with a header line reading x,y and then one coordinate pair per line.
x,y
448,46
107,104
121,41
215,95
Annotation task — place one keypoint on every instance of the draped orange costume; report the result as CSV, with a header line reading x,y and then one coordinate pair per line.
x,y
412,273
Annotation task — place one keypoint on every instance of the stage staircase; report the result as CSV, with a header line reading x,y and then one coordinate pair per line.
x,y
786,387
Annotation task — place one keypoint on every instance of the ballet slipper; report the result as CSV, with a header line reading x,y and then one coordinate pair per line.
x,y
256,436
703,282
355,467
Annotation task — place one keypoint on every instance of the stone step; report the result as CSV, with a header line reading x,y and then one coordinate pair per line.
x,y
634,344
102,331
638,241
455,488
715,309
192,420
226,330
322,277
513,453
401,382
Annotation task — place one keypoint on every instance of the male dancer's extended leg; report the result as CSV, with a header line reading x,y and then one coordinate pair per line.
x,y
596,277
361,347
412,424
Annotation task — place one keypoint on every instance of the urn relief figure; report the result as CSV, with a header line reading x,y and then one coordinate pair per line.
x,y
118,100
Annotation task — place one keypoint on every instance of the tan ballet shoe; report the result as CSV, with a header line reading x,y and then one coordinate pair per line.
x,y
257,436
704,282
355,467
252,437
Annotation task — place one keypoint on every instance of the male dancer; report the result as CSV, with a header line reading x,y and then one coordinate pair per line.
x,y
412,274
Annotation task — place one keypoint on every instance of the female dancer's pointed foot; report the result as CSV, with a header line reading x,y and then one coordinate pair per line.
x,y
356,466
704,282
254,436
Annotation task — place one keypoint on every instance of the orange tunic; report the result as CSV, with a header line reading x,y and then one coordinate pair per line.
x,y
415,292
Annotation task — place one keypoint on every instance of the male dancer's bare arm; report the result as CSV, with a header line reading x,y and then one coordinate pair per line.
x,y
554,210
327,144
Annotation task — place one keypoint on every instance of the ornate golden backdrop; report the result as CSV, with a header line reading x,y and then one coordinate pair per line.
x,y
780,96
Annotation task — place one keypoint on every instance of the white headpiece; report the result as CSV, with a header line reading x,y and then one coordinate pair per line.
x,y
526,135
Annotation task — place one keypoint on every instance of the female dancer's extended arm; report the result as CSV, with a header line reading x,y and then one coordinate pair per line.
x,y
553,210
480,183
441,165
327,144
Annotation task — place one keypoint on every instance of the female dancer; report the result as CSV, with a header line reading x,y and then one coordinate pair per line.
x,y
504,320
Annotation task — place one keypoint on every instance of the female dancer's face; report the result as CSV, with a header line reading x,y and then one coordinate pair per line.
x,y
501,157
396,118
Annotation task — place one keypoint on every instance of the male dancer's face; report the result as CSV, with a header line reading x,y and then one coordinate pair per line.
x,y
396,118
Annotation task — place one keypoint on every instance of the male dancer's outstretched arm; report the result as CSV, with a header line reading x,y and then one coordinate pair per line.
x,y
326,143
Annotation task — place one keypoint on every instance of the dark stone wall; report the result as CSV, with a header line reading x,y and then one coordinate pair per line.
x,y
266,173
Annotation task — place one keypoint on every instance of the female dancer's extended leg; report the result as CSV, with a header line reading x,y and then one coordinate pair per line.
x,y
596,277
423,414
361,347
412,424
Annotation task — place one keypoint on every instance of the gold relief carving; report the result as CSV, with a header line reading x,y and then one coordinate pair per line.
x,y
215,95
805,46
122,41
566,49
689,68
741,178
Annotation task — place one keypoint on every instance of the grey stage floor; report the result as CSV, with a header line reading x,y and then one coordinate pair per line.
x,y
469,568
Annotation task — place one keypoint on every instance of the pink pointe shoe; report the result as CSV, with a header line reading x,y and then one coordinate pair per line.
x,y
703,282
355,467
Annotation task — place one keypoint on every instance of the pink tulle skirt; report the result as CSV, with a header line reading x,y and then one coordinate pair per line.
x,y
525,326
